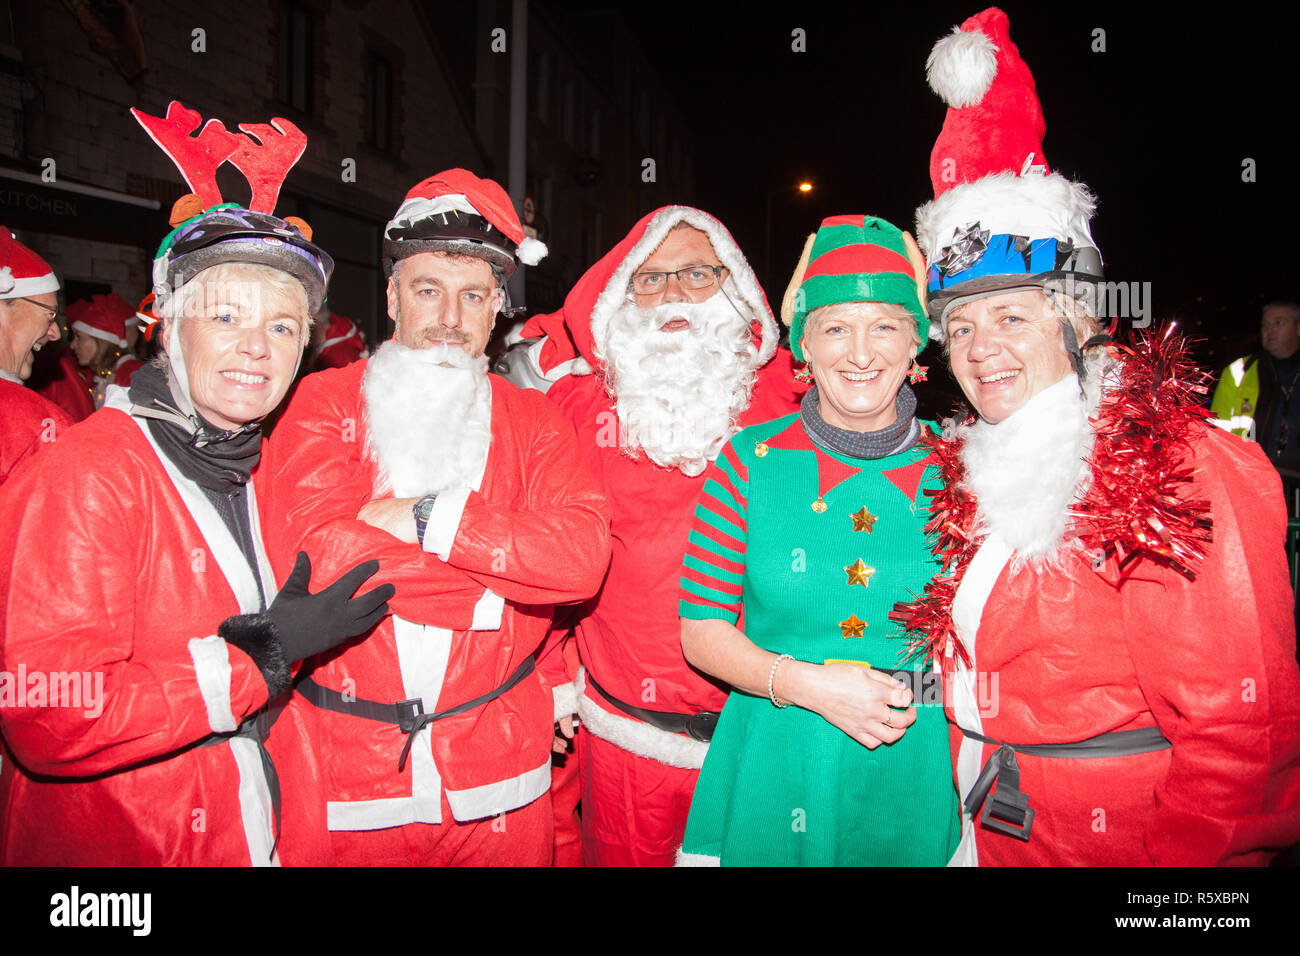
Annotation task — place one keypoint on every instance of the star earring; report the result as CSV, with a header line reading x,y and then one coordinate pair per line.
x,y
917,372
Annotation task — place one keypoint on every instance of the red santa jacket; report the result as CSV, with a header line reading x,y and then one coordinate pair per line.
x,y
115,573
28,423
533,534
1062,654
69,389
630,635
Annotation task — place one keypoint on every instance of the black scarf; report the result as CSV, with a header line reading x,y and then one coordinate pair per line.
x,y
211,457
890,440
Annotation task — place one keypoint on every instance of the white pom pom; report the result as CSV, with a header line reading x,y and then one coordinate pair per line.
x,y
531,251
961,67
7,282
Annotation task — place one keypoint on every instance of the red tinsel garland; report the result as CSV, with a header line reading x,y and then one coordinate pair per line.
x,y
1131,511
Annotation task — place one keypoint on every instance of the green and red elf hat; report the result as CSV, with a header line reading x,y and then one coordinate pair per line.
x,y
856,259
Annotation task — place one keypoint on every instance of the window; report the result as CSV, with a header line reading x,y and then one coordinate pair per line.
x,y
297,55
379,101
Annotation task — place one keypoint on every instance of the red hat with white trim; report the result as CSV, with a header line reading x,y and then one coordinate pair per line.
x,y
23,272
1000,218
103,317
455,211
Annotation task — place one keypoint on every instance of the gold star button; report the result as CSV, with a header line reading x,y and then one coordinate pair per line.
x,y
853,627
859,573
760,450
819,506
863,520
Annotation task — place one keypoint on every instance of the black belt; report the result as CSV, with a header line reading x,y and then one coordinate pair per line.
x,y
257,728
1008,810
409,714
697,726
926,686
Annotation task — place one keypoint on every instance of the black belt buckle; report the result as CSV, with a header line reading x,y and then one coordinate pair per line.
x,y
409,713
1009,813
700,726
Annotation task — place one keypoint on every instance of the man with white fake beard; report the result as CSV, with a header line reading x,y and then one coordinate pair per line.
x,y
663,350
435,730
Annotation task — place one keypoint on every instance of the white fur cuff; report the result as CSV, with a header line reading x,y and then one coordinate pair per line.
x,y
636,736
444,520
566,699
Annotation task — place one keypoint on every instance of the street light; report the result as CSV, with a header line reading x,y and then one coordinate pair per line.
x,y
804,187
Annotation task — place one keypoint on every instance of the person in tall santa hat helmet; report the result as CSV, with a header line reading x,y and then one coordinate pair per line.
x,y
663,350
437,730
171,747
1115,563
29,311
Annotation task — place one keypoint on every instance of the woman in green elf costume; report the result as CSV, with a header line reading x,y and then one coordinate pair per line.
x,y
808,530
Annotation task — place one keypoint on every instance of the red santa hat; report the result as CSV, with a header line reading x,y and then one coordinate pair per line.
x,y
102,317
572,333
23,272
343,343
456,211
990,177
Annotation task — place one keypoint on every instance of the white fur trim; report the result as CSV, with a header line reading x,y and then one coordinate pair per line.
x,y
256,812
34,285
422,207
98,333
962,66
212,673
635,736
444,519
696,859
741,283
565,697
502,796
1027,471
488,611
1034,205
531,251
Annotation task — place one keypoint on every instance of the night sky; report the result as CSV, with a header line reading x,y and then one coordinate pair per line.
x,y
1158,125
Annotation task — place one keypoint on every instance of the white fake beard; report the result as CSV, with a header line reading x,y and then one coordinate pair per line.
x,y
1028,471
428,418
678,394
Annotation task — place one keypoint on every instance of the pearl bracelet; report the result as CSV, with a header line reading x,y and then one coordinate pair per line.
x,y
771,678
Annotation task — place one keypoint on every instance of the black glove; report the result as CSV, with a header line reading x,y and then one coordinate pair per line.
x,y
299,624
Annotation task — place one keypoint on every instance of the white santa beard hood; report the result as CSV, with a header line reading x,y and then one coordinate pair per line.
x,y
428,427
741,285
1027,471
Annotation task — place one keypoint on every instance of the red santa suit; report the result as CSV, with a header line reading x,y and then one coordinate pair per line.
x,y
1063,653
343,344
69,389
467,615
28,422
115,573
638,779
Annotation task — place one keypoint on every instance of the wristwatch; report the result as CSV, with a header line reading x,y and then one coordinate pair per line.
x,y
423,508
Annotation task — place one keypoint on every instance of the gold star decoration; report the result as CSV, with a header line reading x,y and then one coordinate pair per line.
x,y
853,627
863,520
859,573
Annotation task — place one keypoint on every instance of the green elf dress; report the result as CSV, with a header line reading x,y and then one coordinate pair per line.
x,y
807,551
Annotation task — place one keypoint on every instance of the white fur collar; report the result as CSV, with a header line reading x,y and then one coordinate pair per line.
x,y
1027,471
427,426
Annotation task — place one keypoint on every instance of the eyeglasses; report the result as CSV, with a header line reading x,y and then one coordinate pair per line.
x,y
55,315
692,277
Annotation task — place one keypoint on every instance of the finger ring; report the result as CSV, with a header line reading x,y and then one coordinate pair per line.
x,y
889,720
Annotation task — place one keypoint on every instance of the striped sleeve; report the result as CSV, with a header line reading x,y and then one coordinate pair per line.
x,y
714,563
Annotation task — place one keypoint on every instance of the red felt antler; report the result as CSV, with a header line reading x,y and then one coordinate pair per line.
x,y
265,155
197,157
